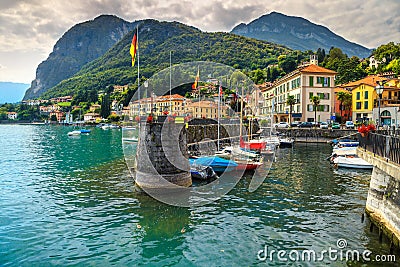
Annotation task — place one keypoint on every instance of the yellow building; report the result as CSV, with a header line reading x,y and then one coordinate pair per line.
x,y
177,103
159,105
363,97
205,109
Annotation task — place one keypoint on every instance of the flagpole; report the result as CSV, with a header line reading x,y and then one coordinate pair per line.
x,y
170,81
138,67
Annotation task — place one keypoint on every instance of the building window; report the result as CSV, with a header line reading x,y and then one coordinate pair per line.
x,y
366,95
310,95
327,82
311,81
358,105
358,96
310,107
365,104
323,108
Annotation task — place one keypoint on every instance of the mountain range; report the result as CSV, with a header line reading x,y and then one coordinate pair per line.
x,y
156,41
94,54
298,33
81,44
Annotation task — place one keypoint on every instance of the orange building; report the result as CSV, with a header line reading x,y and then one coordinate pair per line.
x,y
341,109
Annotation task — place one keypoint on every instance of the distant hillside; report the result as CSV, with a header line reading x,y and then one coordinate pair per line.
x,y
298,33
12,92
81,44
156,41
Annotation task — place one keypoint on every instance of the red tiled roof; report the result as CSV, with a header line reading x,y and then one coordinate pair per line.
x,y
172,96
369,80
316,69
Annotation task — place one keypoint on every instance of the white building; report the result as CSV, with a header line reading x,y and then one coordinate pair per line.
x,y
12,115
302,83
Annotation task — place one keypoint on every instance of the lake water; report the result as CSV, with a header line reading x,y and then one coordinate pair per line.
x,y
70,201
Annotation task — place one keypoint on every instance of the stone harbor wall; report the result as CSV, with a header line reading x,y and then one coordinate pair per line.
x,y
383,201
308,135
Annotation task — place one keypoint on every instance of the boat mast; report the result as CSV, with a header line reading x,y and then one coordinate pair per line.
x,y
197,86
219,105
241,113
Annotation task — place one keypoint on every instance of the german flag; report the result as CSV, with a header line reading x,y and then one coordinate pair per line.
x,y
134,46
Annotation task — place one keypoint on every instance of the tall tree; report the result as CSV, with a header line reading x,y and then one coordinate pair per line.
x,y
315,101
290,101
105,106
347,105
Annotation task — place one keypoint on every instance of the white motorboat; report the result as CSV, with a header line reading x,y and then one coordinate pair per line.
x,y
273,140
74,133
353,162
286,142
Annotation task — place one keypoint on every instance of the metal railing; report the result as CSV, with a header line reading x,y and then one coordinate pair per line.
x,y
386,146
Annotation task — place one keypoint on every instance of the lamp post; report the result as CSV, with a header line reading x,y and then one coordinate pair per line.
x,y
379,91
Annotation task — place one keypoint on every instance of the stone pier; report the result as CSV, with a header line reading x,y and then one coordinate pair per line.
x,y
162,156
383,201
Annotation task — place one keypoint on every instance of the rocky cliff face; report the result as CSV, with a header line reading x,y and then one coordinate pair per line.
x,y
81,44
298,33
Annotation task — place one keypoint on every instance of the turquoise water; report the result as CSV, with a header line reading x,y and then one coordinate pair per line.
x,y
70,201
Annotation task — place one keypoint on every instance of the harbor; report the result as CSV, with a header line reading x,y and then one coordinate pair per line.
x,y
75,207
173,138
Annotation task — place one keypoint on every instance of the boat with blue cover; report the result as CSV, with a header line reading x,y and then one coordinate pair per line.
x,y
216,163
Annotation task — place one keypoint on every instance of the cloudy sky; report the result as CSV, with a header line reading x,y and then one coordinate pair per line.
x,y
30,28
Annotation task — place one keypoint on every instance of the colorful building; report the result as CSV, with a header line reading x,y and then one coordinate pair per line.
x,y
389,104
363,97
174,104
303,83
342,110
58,114
205,109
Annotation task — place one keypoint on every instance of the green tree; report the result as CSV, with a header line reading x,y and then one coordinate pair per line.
x,y
387,52
53,118
258,76
321,54
347,105
394,66
315,102
105,106
274,74
290,101
114,118
288,65
342,97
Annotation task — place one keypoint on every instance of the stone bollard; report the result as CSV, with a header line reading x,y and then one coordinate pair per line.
x,y
162,156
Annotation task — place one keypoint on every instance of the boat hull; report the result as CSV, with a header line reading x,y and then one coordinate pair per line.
x,y
353,163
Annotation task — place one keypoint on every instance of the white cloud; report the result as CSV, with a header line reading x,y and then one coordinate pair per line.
x,y
33,26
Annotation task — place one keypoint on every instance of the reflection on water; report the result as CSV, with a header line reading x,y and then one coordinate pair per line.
x,y
72,202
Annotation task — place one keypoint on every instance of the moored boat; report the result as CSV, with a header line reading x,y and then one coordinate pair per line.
x,y
218,164
351,162
286,142
247,164
74,133
257,145
203,173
